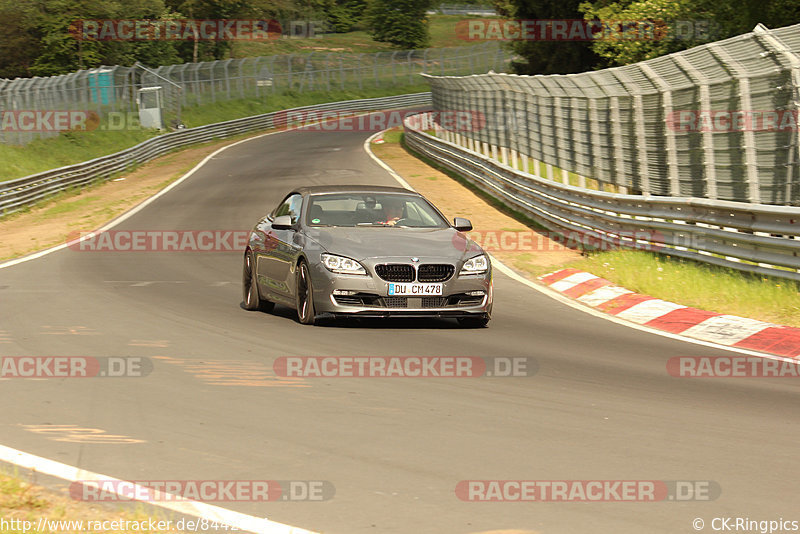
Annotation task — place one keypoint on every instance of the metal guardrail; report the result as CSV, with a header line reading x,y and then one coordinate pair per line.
x,y
22,192
757,238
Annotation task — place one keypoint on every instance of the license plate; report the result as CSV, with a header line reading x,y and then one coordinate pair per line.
x,y
414,289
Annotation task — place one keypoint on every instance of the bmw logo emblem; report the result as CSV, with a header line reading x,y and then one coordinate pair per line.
x,y
415,260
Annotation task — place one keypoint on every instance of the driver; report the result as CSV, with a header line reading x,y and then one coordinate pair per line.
x,y
392,210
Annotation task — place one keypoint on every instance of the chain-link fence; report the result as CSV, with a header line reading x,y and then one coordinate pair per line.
x,y
116,89
717,121
465,9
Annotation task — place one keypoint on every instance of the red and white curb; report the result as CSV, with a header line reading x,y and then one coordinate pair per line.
x,y
728,330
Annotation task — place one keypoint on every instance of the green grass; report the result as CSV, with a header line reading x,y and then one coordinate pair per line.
x,y
25,501
442,32
75,147
393,136
700,285
15,494
234,109
66,207
68,148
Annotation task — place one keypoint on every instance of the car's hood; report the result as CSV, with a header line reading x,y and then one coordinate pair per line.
x,y
360,243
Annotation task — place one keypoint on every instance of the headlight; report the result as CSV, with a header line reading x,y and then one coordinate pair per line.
x,y
342,265
476,265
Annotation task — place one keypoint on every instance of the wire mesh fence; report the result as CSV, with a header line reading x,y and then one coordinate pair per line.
x,y
116,89
717,121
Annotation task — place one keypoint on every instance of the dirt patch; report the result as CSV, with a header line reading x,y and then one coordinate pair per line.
x,y
50,223
529,250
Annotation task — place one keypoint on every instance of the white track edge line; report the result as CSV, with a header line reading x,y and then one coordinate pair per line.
x,y
185,506
578,305
44,465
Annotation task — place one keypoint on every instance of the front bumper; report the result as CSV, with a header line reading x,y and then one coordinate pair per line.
x,y
370,297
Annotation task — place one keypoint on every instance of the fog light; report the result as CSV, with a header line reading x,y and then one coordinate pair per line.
x,y
475,293
345,292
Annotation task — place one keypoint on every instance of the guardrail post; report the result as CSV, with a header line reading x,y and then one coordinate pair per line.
x,y
709,163
640,143
794,60
750,156
669,133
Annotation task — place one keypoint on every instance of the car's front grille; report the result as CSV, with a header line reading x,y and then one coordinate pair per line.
x,y
395,302
395,272
414,302
435,272
433,302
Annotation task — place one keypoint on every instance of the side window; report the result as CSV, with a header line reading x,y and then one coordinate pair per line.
x,y
291,206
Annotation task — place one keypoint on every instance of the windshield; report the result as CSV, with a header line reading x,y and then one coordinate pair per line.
x,y
372,209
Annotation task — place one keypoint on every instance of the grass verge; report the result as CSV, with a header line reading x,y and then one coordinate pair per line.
x,y
22,501
51,222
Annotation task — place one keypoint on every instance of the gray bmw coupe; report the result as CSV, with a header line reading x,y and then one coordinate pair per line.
x,y
366,251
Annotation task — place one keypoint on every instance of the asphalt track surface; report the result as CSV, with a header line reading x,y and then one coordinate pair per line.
x,y
601,407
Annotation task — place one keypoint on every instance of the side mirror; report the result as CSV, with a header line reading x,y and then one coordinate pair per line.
x,y
462,225
284,222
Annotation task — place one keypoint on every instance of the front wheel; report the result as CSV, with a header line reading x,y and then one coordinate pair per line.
x,y
252,300
473,322
305,294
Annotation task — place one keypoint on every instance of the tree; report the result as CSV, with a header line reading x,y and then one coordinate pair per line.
x,y
547,57
402,23
18,45
683,24
344,15
676,25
